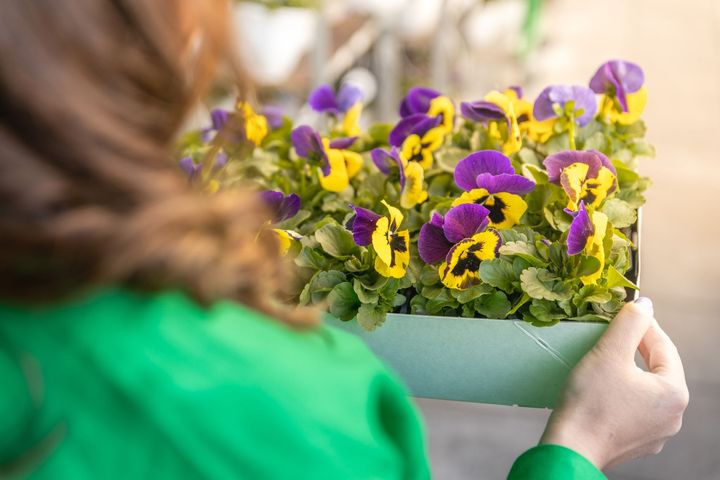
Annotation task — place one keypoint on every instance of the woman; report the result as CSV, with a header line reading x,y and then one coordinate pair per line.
x,y
138,332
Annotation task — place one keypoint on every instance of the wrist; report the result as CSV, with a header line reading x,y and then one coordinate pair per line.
x,y
561,433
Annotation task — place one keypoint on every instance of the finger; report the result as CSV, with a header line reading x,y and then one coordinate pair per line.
x,y
627,329
660,354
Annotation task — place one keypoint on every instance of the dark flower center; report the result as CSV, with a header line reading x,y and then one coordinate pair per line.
x,y
496,209
468,261
397,244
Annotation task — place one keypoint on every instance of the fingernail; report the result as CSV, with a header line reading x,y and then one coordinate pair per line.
x,y
646,304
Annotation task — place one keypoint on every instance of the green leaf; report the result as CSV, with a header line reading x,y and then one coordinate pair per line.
x,y
539,283
336,240
619,213
617,279
343,301
322,283
448,158
591,317
534,173
310,258
587,266
370,316
524,250
493,305
546,311
592,293
429,275
470,294
499,273
365,294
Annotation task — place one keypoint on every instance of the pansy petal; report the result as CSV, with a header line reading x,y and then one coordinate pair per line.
x,y
482,111
404,128
338,179
437,219
362,225
443,107
347,96
464,221
484,161
322,99
308,144
555,163
399,257
433,246
396,216
188,166
275,116
219,117
413,191
580,231
505,182
417,100
342,143
506,209
572,180
462,263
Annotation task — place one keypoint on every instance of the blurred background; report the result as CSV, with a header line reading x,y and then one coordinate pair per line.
x,y
468,47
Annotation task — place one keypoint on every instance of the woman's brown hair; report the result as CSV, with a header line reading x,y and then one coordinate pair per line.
x,y
92,95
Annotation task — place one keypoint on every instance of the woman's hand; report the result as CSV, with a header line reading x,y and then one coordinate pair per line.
x,y
612,411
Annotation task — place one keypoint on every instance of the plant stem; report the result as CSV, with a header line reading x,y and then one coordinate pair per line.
x,y
571,131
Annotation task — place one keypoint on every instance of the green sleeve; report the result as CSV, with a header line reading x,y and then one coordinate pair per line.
x,y
553,462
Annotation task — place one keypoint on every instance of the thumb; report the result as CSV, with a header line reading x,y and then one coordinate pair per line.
x,y
628,328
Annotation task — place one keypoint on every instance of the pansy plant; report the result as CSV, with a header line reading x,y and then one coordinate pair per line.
x,y
335,164
347,103
410,175
282,207
623,94
390,243
584,175
489,179
459,240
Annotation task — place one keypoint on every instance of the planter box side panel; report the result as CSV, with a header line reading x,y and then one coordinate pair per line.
x,y
505,362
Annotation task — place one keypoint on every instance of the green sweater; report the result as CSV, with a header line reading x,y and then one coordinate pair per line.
x,y
125,385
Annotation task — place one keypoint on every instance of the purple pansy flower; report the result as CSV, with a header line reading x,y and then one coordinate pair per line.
x,y
557,162
324,100
282,207
492,171
362,225
308,144
580,230
461,241
440,234
618,78
386,162
583,98
417,101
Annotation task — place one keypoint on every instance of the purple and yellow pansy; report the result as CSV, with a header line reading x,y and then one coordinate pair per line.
x,y
584,175
508,108
282,207
586,235
623,94
417,137
489,179
346,102
410,175
336,164
573,101
426,101
391,245
461,241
